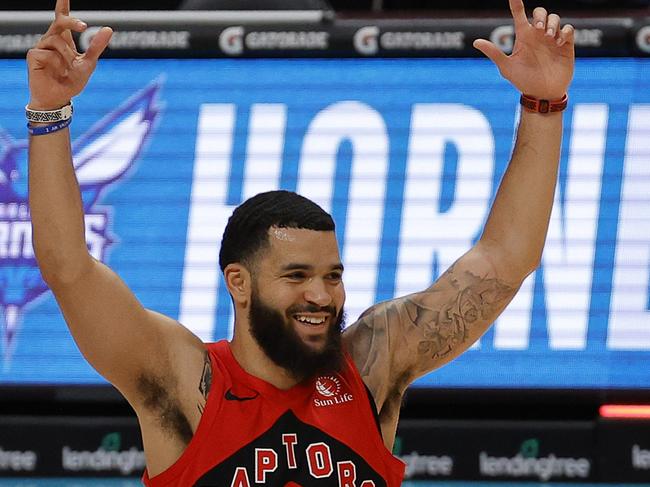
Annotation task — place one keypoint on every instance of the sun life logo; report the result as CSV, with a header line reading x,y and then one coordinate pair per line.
x,y
328,386
328,389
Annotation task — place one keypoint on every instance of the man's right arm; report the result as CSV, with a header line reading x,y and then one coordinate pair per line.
x,y
120,338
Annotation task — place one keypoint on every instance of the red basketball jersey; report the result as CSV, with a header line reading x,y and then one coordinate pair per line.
x,y
321,432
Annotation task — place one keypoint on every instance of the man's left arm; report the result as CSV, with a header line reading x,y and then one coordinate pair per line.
x,y
395,342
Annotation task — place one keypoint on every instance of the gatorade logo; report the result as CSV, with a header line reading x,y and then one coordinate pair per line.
x,y
366,40
231,40
643,39
504,38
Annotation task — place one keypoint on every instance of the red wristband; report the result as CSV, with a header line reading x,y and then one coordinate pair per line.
x,y
543,106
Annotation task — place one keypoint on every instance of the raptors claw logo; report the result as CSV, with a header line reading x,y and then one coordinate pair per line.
x,y
101,156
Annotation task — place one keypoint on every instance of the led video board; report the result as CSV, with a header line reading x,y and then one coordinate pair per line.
x,y
405,154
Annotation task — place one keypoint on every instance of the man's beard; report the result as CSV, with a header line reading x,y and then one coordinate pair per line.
x,y
276,336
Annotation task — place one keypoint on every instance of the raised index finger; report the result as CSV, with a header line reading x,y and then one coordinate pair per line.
x,y
62,7
518,13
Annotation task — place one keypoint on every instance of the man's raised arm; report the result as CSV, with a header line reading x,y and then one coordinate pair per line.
x,y
120,338
395,342
56,74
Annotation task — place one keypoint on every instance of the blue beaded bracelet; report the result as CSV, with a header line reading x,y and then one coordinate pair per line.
x,y
48,129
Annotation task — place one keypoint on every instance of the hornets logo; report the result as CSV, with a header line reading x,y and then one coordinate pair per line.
x,y
102,157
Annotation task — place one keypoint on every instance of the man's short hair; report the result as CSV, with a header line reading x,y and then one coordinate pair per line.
x,y
247,230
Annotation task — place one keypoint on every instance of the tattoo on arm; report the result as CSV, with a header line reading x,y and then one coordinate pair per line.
x,y
206,382
474,302
396,341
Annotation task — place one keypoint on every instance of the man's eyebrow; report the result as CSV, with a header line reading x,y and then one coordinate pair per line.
x,y
293,266
297,266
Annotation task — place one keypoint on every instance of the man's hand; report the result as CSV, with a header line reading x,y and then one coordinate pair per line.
x,y
57,71
541,63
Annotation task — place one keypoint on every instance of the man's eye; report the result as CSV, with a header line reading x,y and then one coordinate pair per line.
x,y
296,275
336,276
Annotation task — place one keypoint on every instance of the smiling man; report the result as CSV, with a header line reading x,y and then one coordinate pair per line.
x,y
281,263
291,400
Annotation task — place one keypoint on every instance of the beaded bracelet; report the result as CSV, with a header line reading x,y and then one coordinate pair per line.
x,y
49,116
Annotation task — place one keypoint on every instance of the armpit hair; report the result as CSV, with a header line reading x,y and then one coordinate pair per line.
x,y
157,398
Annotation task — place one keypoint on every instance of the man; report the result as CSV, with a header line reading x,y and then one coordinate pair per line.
x,y
290,400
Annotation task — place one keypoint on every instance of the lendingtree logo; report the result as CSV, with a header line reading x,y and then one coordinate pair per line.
x,y
530,448
418,464
111,442
17,460
529,463
109,456
640,458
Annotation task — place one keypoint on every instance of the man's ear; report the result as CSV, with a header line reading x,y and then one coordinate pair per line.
x,y
238,280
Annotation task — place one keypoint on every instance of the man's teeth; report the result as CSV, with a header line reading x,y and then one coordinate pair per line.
x,y
310,319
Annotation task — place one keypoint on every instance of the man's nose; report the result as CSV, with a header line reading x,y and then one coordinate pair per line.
x,y
316,293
